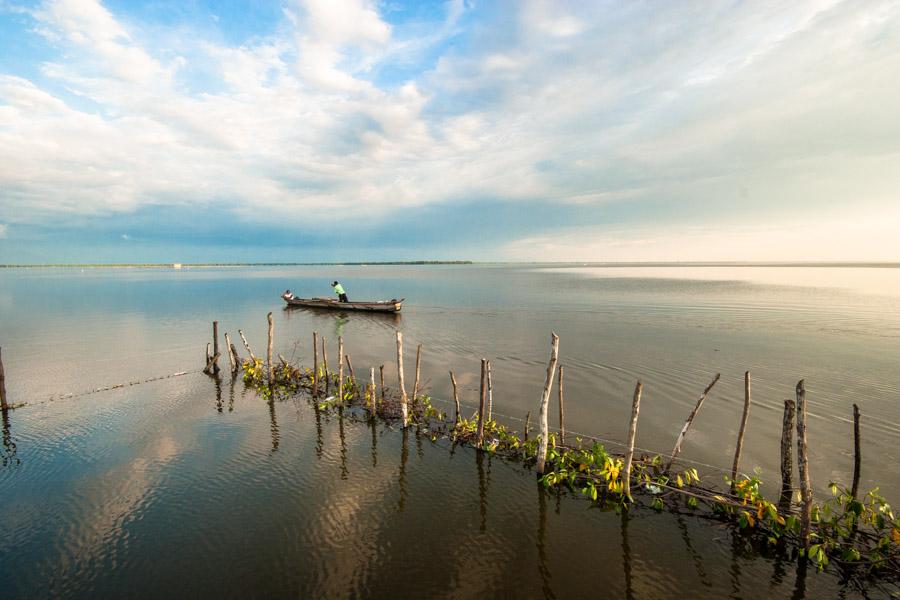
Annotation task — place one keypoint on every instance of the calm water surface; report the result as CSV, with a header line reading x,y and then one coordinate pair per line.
x,y
184,486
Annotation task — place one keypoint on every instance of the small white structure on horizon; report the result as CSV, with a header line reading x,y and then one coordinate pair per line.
x,y
176,265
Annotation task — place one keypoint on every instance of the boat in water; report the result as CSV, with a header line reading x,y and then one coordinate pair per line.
x,y
383,306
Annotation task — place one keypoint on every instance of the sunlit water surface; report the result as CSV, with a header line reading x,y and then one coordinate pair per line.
x,y
186,487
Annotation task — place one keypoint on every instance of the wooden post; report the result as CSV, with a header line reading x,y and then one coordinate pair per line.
x,y
269,348
490,394
237,358
545,403
416,384
632,431
315,382
211,360
527,424
455,397
479,436
340,368
787,457
372,386
215,368
857,456
803,464
4,404
690,420
381,372
354,391
246,345
325,362
404,411
232,359
740,440
562,412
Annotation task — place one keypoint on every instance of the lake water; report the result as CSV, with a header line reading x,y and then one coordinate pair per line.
x,y
187,487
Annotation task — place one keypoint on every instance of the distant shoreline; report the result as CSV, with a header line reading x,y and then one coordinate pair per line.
x,y
818,264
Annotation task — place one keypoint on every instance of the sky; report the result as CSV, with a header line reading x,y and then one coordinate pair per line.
x,y
354,130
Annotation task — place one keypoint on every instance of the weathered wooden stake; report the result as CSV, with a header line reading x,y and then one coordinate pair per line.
x,y
269,348
527,424
232,359
404,411
562,412
354,391
416,384
479,436
690,420
857,456
545,403
803,464
325,362
629,443
315,385
787,455
340,368
372,387
210,360
4,404
215,368
490,394
381,372
455,397
740,440
246,345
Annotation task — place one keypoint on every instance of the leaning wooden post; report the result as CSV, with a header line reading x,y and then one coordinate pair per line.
x,y
354,390
629,444
545,403
4,405
340,368
787,456
690,420
455,398
404,412
416,384
527,424
232,359
315,381
269,348
562,412
381,373
490,394
803,464
325,362
740,440
479,436
246,345
215,368
857,456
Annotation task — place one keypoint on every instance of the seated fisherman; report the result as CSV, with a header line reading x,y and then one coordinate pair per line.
x,y
339,290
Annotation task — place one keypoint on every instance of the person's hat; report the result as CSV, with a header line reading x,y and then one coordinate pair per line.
x,y
335,283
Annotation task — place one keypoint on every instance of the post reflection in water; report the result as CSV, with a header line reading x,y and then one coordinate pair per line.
x,y
695,556
9,446
482,493
344,471
543,569
374,442
231,394
320,443
800,584
273,425
218,381
404,456
626,557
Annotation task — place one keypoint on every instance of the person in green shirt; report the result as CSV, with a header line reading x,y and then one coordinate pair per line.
x,y
339,290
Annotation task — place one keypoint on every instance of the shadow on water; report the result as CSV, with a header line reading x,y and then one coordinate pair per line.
x,y
543,567
626,557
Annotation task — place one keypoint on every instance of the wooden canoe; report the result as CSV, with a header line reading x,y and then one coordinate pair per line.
x,y
385,306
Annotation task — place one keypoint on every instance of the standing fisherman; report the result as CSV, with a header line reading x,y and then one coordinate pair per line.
x,y
339,290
